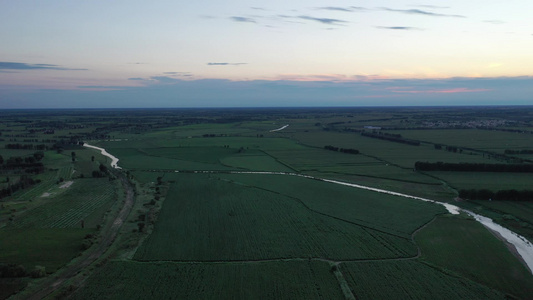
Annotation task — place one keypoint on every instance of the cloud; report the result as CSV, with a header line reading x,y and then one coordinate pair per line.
x,y
335,8
186,74
225,64
420,12
344,9
323,20
495,22
161,91
398,27
136,78
243,19
444,91
24,66
432,6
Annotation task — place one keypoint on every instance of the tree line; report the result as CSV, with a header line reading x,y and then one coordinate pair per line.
x,y
391,137
473,167
22,183
343,150
502,195
28,164
26,146
526,151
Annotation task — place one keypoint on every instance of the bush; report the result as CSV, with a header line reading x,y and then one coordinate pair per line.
x,y
38,272
12,271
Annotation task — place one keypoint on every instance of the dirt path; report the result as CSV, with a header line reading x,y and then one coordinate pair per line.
x,y
108,236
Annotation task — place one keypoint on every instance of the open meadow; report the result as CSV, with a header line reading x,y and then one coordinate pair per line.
x,y
232,204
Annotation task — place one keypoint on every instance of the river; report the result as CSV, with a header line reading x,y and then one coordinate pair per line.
x,y
114,160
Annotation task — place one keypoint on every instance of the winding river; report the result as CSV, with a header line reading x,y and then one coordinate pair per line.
x,y
114,160
522,245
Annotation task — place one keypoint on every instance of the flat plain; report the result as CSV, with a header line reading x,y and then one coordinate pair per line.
x,y
225,206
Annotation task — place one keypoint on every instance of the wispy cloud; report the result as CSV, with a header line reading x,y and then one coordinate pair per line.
x,y
184,74
431,6
136,78
398,27
24,66
323,20
243,19
495,22
442,91
225,64
420,12
335,8
344,9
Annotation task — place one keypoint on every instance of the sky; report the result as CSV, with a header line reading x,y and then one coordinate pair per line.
x,y
132,53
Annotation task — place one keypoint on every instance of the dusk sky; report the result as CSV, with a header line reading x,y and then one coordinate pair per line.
x,y
92,54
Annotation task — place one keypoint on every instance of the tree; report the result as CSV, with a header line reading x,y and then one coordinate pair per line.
x,y
1,160
73,155
92,158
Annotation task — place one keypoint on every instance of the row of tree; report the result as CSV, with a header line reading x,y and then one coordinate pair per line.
x,y
502,195
343,150
525,151
390,137
26,146
22,183
27,164
473,167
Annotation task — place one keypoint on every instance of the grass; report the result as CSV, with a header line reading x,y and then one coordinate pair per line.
x,y
410,280
256,161
496,141
402,155
206,219
467,248
77,203
392,214
51,248
272,280
486,180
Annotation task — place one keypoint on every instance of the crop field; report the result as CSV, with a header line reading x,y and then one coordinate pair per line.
x,y
269,280
486,180
392,214
218,203
79,202
411,280
432,191
256,161
395,153
466,247
50,248
496,141
135,159
213,220
521,210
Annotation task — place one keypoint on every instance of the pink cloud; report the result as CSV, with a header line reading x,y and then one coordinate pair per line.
x,y
446,91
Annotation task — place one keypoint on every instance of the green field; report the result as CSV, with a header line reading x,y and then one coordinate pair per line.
x,y
167,280
391,214
467,248
206,219
78,202
486,180
50,248
410,280
221,207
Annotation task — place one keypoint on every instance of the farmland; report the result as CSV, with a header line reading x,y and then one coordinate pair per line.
x,y
222,206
